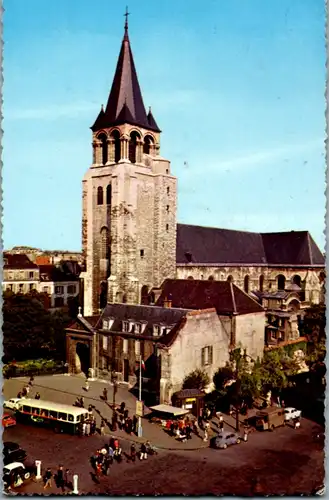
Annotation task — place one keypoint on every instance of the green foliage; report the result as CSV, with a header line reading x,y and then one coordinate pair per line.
x,y
222,376
31,331
197,379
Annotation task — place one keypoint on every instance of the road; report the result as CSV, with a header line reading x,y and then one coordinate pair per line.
x,y
288,461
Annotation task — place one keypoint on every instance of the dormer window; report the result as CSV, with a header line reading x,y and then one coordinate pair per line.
x,y
156,330
138,328
105,324
125,326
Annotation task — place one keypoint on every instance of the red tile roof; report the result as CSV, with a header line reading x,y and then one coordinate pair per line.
x,y
225,297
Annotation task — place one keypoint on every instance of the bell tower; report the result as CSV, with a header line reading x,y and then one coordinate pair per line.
x,y
129,198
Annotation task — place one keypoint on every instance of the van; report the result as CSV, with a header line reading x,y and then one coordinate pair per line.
x,y
267,420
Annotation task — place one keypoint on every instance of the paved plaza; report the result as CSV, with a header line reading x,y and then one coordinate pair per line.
x,y
288,461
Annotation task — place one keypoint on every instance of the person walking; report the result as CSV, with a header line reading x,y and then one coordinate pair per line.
x,y
133,453
48,477
134,424
37,395
245,435
87,385
102,428
84,428
31,380
143,453
93,426
88,428
67,479
105,394
221,426
60,478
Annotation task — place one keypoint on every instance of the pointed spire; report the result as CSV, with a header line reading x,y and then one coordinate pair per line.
x,y
125,99
151,121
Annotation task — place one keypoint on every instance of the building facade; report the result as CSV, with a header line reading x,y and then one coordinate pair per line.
x,y
129,198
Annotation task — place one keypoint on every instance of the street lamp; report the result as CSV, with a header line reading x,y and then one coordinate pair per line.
x,y
140,429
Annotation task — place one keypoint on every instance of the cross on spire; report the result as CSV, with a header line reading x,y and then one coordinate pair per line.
x,y
126,22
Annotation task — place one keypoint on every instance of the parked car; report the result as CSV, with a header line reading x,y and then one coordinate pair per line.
x,y
270,418
291,413
225,439
11,404
8,420
15,474
12,452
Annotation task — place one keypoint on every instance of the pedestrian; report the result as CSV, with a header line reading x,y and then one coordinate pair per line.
x,y
296,423
122,407
220,418
37,395
245,435
24,393
188,431
87,385
134,424
106,466
105,394
82,402
27,390
126,413
90,408
102,427
133,452
84,428
143,453
114,424
31,380
88,428
118,454
111,454
221,426
19,395
67,478
60,478
48,477
93,427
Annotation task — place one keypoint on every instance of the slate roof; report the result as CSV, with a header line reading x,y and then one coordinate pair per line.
x,y
225,297
18,261
208,245
125,103
56,274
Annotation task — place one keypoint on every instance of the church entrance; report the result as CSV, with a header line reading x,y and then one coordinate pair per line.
x,y
126,370
82,358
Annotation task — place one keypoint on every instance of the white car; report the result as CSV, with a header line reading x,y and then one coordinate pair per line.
x,y
12,403
15,474
291,413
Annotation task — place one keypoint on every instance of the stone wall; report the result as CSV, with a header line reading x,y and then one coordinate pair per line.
x,y
250,333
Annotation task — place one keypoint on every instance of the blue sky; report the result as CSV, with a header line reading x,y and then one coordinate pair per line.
x,y
236,86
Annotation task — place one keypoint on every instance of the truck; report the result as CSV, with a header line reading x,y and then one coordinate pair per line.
x,y
270,418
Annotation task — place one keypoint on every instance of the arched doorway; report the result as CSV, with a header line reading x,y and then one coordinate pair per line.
x,y
297,280
103,295
82,358
281,280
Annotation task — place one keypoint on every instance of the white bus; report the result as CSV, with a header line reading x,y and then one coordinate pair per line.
x,y
61,417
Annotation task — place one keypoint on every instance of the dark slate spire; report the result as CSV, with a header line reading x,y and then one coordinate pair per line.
x,y
99,120
125,103
151,121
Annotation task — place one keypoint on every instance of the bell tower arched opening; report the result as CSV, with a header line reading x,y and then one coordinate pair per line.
x,y
104,146
133,141
100,195
281,280
148,144
116,145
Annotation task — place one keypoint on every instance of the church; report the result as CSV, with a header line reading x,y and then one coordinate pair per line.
x,y
133,246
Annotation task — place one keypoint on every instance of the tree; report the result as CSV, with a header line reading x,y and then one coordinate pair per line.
x,y
198,379
30,330
222,376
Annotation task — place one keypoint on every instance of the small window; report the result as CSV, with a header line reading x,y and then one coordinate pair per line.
x,y
71,289
31,274
71,419
125,326
44,413
156,330
105,343
78,418
59,290
138,328
99,195
35,411
53,414
62,416
167,227
137,347
167,170
125,346
31,287
105,324
27,409
142,253
207,356
167,208
168,190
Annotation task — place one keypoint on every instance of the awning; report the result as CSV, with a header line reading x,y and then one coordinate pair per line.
x,y
173,410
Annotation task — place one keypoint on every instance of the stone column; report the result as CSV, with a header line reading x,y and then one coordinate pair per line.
x,y
94,152
124,149
98,153
156,149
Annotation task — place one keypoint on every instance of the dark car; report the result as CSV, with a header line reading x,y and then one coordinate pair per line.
x,y
12,452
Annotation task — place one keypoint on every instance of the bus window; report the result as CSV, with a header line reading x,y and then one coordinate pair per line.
x,y
36,411
71,419
78,418
53,414
27,409
62,416
44,413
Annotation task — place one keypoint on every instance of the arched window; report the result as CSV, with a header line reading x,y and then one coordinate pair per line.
x,y
211,278
124,299
134,136
109,194
103,139
104,251
230,279
261,283
115,136
246,284
100,196
297,280
281,282
190,278
148,141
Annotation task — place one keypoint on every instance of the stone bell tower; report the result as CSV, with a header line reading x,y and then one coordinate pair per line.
x,y
129,198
